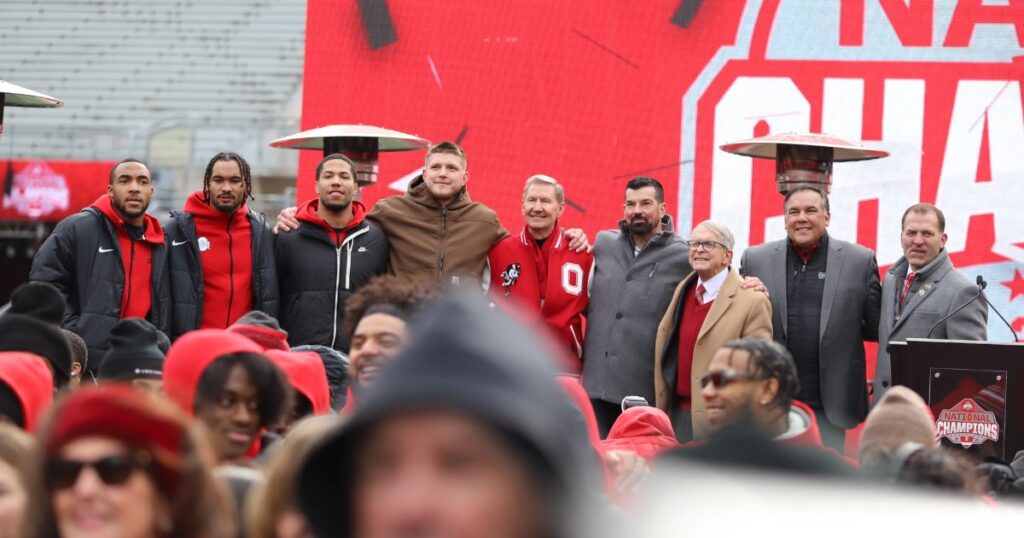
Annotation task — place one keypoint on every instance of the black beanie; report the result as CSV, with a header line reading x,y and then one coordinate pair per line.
x,y
134,352
40,300
19,332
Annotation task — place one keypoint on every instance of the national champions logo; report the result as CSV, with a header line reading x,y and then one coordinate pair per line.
x,y
967,424
37,191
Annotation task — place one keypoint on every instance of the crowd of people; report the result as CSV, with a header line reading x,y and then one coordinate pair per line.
x,y
413,369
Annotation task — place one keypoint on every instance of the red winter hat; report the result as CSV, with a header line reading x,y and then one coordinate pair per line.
x,y
127,415
262,329
306,374
191,354
29,377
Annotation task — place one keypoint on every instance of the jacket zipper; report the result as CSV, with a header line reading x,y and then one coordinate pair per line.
x,y
231,269
131,270
337,292
444,235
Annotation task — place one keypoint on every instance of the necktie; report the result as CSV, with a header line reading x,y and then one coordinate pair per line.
x,y
700,293
906,289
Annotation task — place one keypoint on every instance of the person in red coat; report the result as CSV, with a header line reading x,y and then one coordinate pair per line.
x,y
645,430
536,274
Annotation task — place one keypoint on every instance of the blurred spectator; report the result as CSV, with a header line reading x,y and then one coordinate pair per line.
x,y
272,510
308,380
109,261
16,449
336,368
26,389
225,381
134,356
934,467
40,300
899,417
375,320
644,430
24,333
465,434
117,463
709,308
262,329
79,357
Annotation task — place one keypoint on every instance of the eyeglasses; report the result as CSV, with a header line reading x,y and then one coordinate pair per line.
x,y
112,470
722,378
704,245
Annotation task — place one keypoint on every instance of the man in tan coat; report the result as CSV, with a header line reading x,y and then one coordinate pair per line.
x,y
708,309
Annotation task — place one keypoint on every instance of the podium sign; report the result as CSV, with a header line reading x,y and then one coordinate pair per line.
x,y
975,391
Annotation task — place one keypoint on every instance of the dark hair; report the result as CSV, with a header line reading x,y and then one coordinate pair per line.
x,y
274,391
924,209
938,468
114,169
243,168
769,359
385,294
79,351
640,182
802,188
11,406
336,157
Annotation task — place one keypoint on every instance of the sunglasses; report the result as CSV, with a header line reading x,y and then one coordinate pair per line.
x,y
112,470
722,378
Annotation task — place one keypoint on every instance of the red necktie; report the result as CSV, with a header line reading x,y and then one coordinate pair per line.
x,y
906,289
700,293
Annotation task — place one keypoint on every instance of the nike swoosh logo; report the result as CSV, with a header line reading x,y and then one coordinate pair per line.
x,y
361,249
178,243
105,250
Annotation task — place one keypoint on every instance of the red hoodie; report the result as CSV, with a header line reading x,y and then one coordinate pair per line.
x,y
306,374
225,252
28,375
644,430
307,213
192,354
136,258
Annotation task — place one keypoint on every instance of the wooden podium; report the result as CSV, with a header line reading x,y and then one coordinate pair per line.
x,y
975,391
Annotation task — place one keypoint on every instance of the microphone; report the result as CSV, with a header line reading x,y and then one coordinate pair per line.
x,y
981,285
981,289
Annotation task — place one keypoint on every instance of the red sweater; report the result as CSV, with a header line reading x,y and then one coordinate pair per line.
x,y
690,323
226,261
136,259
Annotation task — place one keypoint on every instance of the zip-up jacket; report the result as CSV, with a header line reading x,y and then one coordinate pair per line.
x,y
319,268
188,280
89,257
431,242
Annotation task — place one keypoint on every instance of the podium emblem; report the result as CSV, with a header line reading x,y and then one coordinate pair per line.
x,y
967,424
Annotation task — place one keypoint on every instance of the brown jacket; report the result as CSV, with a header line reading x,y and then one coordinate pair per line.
x,y
429,242
736,313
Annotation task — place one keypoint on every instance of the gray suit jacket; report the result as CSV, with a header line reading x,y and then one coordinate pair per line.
x,y
628,296
938,290
849,316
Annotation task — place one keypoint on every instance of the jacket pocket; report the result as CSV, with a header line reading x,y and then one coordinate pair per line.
x,y
650,279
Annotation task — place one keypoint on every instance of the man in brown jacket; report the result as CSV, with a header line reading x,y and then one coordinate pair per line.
x,y
708,309
436,233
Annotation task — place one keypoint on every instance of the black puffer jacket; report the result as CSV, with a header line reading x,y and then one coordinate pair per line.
x,y
316,277
92,283
187,272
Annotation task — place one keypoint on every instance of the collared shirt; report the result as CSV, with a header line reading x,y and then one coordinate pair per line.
x,y
713,285
805,255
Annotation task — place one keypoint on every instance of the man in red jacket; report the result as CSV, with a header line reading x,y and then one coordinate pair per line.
x,y
537,272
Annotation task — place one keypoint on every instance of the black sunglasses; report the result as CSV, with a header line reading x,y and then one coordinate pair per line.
x,y
112,470
721,378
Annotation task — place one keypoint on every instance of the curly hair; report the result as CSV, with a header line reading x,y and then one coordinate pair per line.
x,y
386,294
768,359
243,168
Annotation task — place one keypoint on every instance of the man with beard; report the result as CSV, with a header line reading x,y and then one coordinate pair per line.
x,y
333,232
538,275
109,261
221,254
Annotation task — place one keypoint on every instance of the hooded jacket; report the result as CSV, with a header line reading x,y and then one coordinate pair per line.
x,y
306,375
644,430
473,361
319,268
188,280
189,357
30,379
88,257
430,242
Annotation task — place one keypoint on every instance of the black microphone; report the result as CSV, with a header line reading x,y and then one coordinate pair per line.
x,y
981,288
982,284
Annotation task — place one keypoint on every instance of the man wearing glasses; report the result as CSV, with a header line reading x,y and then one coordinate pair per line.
x,y
754,383
707,310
